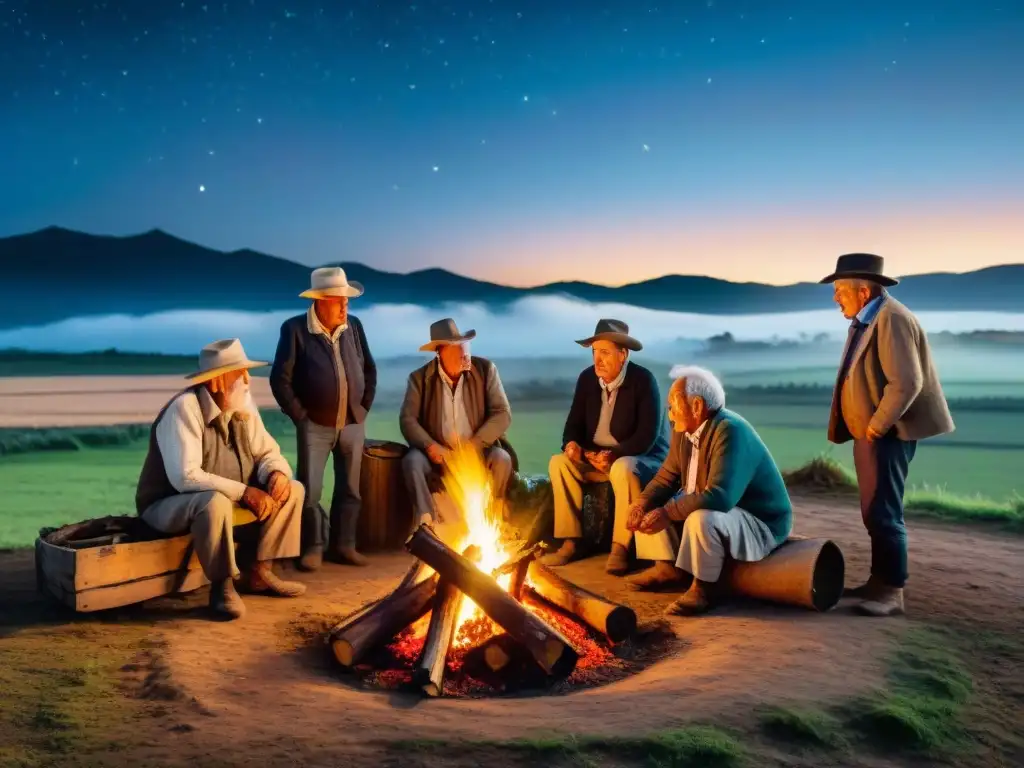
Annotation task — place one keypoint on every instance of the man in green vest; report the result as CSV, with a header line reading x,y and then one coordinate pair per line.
x,y
209,452
455,398
720,481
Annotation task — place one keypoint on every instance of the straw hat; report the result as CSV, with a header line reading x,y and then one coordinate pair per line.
x,y
222,357
331,283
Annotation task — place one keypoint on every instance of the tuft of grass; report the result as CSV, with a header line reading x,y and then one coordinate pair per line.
x,y
801,726
921,712
695,745
825,474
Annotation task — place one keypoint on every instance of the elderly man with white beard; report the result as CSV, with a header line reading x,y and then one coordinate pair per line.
x,y
208,452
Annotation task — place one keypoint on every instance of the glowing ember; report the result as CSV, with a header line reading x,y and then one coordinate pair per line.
x,y
468,483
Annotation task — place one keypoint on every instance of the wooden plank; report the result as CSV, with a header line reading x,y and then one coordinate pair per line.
x,y
119,595
56,566
130,561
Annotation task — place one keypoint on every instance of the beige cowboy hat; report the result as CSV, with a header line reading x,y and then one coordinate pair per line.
x,y
331,282
614,331
222,357
445,332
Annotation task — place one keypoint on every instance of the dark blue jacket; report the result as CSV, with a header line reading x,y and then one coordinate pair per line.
x,y
304,379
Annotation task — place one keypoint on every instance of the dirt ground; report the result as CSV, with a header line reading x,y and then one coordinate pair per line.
x,y
76,401
263,688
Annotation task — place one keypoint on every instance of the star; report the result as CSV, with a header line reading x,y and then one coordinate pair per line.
x,y
526,98
646,148
202,188
436,168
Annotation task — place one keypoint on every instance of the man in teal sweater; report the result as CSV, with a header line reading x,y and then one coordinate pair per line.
x,y
721,483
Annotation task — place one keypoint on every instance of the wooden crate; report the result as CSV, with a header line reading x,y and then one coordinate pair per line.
x,y
98,578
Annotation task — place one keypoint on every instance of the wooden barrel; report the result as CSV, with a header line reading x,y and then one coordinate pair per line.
x,y
385,520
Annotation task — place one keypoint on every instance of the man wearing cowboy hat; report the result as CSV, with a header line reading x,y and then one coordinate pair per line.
x,y
208,452
324,378
887,397
615,429
455,398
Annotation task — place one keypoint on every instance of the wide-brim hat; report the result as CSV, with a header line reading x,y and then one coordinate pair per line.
x,y
222,357
331,283
614,331
860,266
446,332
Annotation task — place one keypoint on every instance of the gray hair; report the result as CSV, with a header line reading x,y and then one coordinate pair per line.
x,y
702,383
859,282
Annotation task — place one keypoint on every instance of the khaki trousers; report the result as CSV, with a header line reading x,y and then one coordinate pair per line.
x,y
628,477
709,535
208,516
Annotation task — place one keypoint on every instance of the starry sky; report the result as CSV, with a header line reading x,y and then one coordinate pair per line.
x,y
529,141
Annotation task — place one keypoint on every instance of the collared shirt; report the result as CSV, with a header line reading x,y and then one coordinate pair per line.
x,y
314,326
602,434
179,435
691,469
454,419
870,310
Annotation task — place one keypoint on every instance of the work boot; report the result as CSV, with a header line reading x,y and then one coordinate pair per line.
x,y
562,555
263,579
349,556
867,590
312,558
698,599
224,600
662,575
888,601
618,560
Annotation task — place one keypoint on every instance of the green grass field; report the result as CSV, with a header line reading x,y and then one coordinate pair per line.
x,y
78,481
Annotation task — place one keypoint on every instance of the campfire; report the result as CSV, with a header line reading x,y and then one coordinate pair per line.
x,y
477,609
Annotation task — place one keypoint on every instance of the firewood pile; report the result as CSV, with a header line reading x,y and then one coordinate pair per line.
x,y
509,626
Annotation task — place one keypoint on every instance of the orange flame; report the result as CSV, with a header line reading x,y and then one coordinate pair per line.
x,y
468,484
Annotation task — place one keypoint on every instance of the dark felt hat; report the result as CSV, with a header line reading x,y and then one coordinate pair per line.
x,y
614,331
860,266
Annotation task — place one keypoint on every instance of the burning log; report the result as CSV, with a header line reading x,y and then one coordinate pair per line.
x,y
616,621
376,622
429,673
551,650
519,566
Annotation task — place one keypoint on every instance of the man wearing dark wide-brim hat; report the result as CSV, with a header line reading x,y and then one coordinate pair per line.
x,y
615,430
887,397
456,398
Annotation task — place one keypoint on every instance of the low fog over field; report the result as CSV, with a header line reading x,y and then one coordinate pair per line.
x,y
533,339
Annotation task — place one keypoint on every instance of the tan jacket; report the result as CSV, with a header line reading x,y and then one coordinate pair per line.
x,y
891,382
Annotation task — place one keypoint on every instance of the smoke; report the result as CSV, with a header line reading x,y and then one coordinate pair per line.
x,y
533,327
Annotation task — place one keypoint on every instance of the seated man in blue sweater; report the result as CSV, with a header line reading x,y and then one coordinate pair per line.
x,y
721,483
324,378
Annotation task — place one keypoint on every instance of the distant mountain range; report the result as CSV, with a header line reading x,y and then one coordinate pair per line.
x,y
57,273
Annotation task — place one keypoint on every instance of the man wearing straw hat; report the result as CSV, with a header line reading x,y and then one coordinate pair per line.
x,y
208,452
324,378
615,431
456,397
887,397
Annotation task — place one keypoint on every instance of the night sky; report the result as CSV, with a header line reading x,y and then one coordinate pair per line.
x,y
604,140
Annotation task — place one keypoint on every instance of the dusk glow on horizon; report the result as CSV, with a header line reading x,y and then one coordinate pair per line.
x,y
525,143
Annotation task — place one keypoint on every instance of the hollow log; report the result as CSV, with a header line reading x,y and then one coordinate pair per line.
x,y
429,672
378,621
547,645
616,621
803,572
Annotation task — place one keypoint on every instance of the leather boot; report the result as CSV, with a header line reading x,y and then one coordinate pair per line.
x,y
224,600
698,599
562,555
312,558
888,601
263,579
349,556
618,560
660,576
865,591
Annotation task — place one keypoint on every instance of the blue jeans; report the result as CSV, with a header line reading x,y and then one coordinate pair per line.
x,y
882,468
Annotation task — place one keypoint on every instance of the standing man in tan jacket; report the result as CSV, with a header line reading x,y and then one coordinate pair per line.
x,y
887,397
